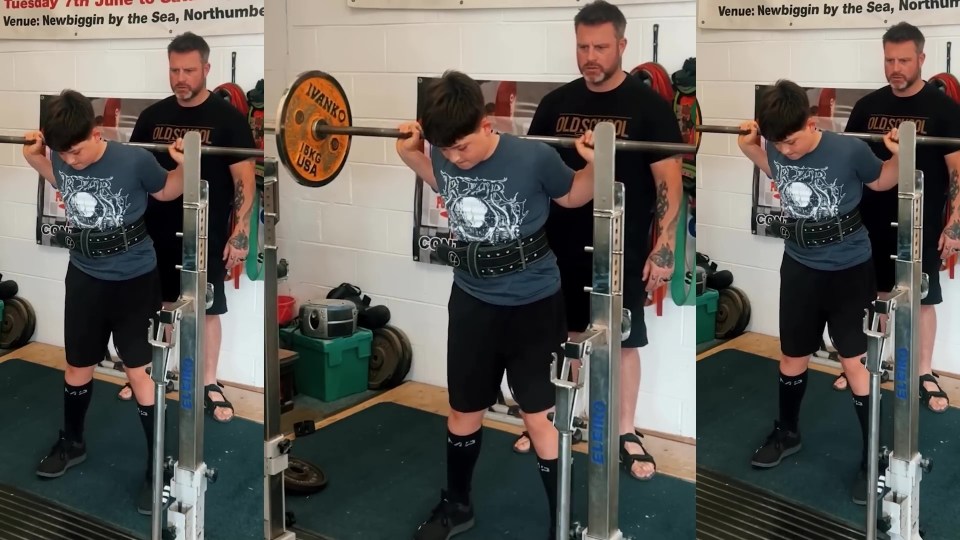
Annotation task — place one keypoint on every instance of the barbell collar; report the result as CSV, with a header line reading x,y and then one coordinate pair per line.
x,y
320,131
872,137
211,150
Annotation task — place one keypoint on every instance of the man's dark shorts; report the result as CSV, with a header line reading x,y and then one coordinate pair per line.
x,y
883,242
170,254
576,272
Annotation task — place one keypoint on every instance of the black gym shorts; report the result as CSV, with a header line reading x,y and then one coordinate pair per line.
x,y
883,243
810,299
576,272
96,308
169,252
484,340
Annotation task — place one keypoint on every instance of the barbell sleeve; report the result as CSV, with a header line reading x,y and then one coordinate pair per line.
x,y
321,131
212,150
872,137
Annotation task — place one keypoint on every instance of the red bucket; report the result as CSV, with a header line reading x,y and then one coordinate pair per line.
x,y
286,309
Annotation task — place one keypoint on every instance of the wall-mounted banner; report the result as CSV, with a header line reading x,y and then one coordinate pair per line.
x,y
489,4
825,14
127,19
831,108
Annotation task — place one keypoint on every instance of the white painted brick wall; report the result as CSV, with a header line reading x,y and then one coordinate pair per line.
x,y
359,229
108,68
731,63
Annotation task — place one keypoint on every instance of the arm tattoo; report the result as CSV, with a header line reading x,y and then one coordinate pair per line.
x,y
663,257
952,231
240,241
662,205
953,187
238,199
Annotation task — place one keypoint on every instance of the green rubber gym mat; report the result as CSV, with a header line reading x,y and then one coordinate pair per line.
x,y
386,464
105,486
737,403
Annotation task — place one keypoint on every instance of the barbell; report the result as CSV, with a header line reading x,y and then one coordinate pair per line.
x,y
314,129
212,150
873,137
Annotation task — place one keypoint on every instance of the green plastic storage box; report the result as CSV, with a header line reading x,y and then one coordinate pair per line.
x,y
329,369
707,316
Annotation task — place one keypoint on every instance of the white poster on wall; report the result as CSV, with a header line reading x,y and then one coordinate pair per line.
x,y
786,15
127,19
489,4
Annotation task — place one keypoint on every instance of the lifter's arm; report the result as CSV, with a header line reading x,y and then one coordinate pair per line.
x,y
890,172
173,187
581,190
582,187
36,156
750,146
409,150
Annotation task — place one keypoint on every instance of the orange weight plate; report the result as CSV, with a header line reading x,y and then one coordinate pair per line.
x,y
315,98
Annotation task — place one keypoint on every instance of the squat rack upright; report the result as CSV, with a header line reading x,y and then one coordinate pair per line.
x,y
185,508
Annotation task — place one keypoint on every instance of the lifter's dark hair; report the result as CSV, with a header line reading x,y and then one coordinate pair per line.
x,y
189,42
782,110
453,108
601,12
903,32
68,120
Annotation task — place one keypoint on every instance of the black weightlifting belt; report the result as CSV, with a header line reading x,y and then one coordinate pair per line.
x,y
812,234
95,243
484,260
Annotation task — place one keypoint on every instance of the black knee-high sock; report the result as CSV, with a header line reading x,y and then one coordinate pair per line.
x,y
861,404
462,454
76,401
549,474
791,395
146,414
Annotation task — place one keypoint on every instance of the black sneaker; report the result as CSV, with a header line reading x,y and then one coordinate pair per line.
x,y
64,454
145,498
446,519
779,444
859,487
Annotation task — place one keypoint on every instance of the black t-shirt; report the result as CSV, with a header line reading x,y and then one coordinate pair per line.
x,y
639,114
936,115
219,124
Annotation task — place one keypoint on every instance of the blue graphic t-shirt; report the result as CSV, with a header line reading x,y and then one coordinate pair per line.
x,y
500,200
826,183
111,192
